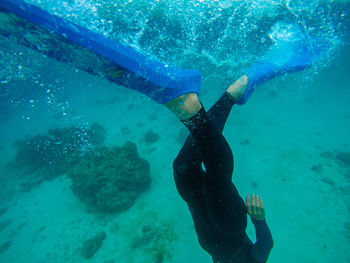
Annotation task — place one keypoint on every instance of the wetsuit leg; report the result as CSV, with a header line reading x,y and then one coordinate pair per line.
x,y
188,175
225,208
188,172
220,111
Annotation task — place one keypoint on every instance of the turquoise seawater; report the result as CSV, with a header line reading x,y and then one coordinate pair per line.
x,y
290,141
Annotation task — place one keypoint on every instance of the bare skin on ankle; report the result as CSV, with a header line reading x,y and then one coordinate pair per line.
x,y
187,105
238,87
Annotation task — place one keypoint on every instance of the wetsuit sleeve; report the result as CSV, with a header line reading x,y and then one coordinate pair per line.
x,y
263,245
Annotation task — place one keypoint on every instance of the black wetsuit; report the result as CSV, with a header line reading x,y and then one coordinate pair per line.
x,y
218,212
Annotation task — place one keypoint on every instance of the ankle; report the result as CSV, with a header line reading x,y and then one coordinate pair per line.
x,y
185,106
233,94
237,89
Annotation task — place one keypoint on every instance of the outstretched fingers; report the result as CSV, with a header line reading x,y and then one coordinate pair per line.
x,y
261,204
255,207
249,207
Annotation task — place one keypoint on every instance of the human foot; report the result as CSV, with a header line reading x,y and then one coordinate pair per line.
x,y
185,106
238,87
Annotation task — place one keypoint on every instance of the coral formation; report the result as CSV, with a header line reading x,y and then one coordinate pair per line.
x,y
5,246
328,181
244,141
327,155
106,179
92,245
347,174
109,179
317,168
3,210
151,137
343,157
125,130
114,227
155,240
254,185
347,225
51,151
4,224
153,116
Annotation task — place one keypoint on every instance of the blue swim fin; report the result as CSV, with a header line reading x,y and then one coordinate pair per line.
x,y
289,54
121,64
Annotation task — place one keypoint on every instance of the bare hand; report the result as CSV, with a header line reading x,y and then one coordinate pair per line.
x,y
255,207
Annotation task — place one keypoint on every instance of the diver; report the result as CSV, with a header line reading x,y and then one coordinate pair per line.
x,y
218,212
204,166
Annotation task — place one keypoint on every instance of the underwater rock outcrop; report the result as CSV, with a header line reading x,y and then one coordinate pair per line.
x,y
153,238
4,224
51,151
92,245
109,180
5,246
343,158
3,210
151,137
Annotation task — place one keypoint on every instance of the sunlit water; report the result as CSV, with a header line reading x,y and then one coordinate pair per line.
x,y
285,140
